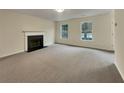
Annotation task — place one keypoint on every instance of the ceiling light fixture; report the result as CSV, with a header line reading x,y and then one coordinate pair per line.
x,y
59,10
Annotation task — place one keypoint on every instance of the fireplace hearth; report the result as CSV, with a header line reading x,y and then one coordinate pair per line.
x,y
35,42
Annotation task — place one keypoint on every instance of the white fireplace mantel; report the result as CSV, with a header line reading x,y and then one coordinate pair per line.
x,y
30,33
27,33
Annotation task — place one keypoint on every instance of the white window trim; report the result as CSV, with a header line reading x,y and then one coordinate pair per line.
x,y
61,32
81,30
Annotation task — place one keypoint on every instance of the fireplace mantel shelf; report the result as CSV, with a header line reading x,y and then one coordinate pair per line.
x,y
32,31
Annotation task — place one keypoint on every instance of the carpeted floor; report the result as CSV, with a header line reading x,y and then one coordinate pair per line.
x,y
61,64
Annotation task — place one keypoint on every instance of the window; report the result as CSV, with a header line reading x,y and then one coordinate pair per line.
x,y
86,31
64,31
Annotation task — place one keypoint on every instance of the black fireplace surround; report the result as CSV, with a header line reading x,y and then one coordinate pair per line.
x,y
35,42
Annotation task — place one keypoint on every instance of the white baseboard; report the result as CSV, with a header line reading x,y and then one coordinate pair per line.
x,y
119,71
9,54
92,47
12,53
48,44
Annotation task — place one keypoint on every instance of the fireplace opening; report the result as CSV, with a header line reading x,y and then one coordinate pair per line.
x,y
35,42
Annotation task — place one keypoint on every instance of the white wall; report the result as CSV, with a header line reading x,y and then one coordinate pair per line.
x,y
11,26
119,40
102,32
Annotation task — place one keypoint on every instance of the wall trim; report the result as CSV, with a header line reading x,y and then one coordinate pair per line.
x,y
11,54
119,71
86,47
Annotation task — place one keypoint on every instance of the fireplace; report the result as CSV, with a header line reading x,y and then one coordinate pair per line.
x,y
35,42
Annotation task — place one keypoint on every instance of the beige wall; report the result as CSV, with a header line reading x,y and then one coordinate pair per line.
x,y
11,27
102,32
119,40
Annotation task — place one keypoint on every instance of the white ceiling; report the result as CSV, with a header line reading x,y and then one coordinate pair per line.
x,y
51,14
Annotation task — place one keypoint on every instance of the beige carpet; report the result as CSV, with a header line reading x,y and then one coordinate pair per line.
x,y
62,64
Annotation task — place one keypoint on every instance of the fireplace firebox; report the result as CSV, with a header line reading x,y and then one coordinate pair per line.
x,y
35,42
